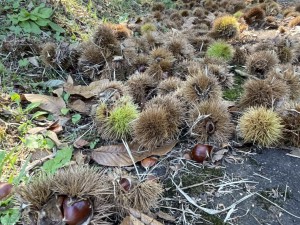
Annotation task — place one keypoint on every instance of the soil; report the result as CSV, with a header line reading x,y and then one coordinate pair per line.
x,y
277,176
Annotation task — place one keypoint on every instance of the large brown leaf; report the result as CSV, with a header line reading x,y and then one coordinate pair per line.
x,y
138,218
48,103
85,91
117,155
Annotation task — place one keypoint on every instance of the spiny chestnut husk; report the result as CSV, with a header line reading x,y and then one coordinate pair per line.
x,y
291,121
222,74
114,122
292,80
225,27
269,93
255,14
201,152
210,122
77,212
168,85
141,87
180,47
260,63
141,196
261,126
200,87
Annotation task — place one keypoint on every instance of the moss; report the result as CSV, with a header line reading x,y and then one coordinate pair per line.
x,y
234,93
215,220
198,175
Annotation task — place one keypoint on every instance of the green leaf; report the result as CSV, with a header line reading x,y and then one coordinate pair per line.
x,y
45,13
11,217
56,28
36,9
35,28
34,141
93,143
61,158
26,26
42,22
33,17
37,114
15,97
66,97
17,179
15,29
16,5
76,118
23,62
31,106
64,111
49,143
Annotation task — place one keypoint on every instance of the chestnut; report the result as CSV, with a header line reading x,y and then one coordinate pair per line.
x,y
5,190
126,184
200,152
77,212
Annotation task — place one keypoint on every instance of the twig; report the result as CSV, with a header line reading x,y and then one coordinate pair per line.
x,y
291,214
259,175
286,187
38,162
131,157
211,211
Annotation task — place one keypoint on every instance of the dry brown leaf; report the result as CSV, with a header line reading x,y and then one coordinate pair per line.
x,y
165,216
85,91
48,103
79,106
55,127
58,91
147,220
53,136
117,155
165,149
79,143
217,156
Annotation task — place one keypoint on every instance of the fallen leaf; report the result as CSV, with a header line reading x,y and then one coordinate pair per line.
x,y
48,103
85,91
79,143
117,155
55,127
165,149
33,61
165,216
53,136
79,106
58,91
146,220
217,156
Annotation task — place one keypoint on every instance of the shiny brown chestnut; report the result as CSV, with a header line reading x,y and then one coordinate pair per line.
x,y
77,212
201,152
5,190
126,183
